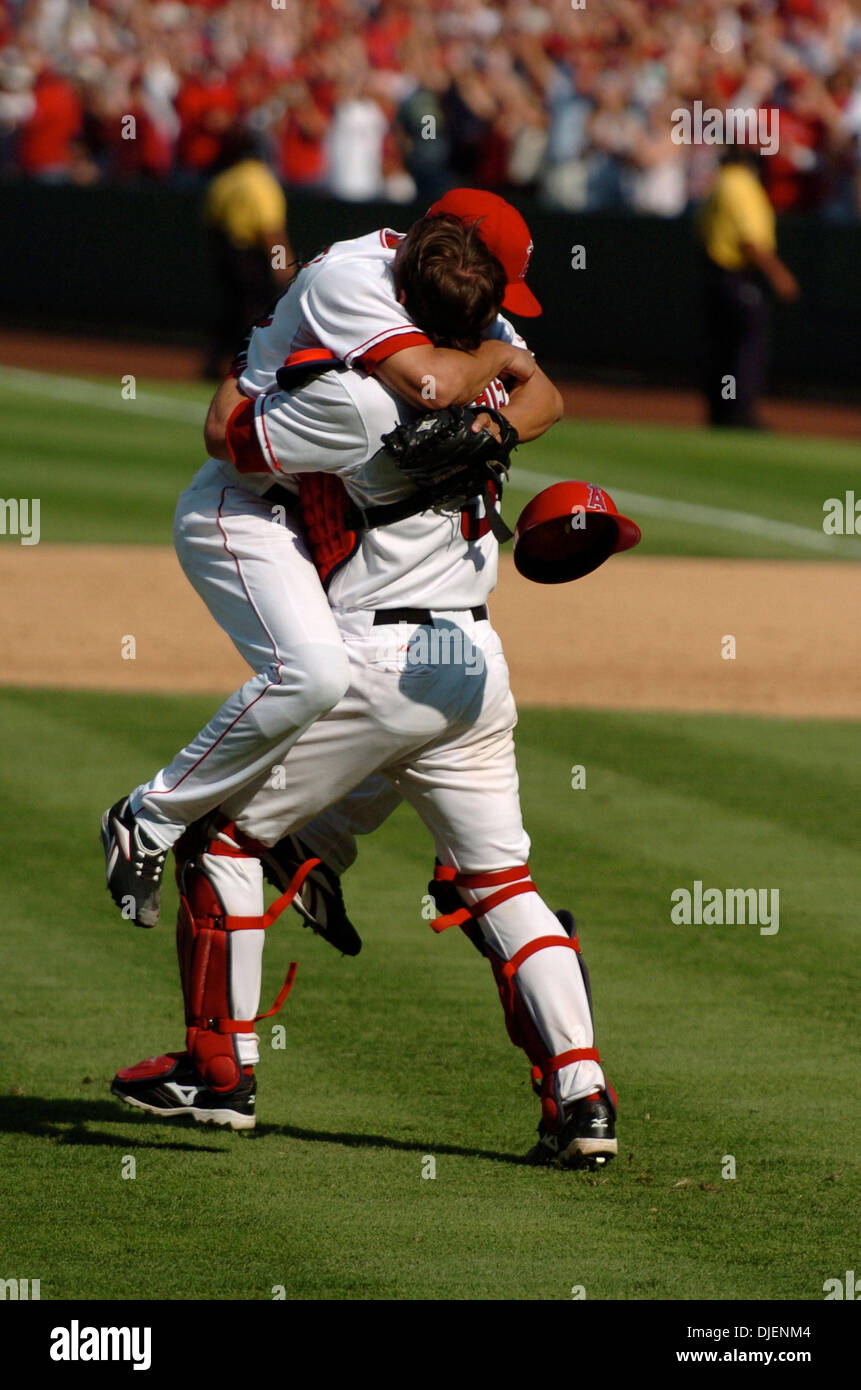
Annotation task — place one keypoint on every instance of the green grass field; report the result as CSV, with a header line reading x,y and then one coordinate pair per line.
x,y
720,1041
110,470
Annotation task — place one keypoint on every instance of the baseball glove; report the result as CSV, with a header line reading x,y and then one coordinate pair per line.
x,y
449,465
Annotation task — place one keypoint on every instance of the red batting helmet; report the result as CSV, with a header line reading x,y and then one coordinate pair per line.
x,y
503,232
568,530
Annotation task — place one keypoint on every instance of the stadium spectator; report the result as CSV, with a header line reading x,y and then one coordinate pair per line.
x,y
303,138
526,94
659,182
421,120
356,139
207,106
47,148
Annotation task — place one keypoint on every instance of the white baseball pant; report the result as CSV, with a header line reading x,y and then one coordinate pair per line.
x,y
250,565
441,735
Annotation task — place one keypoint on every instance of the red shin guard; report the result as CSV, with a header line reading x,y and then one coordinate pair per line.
x,y
520,1027
203,930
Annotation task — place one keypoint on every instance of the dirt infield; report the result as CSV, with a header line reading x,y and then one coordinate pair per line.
x,y
98,356
641,633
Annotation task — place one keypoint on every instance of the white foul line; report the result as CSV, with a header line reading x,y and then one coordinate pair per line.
x,y
80,392
697,514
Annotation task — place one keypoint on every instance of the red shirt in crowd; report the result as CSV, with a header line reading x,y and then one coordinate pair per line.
x,y
384,36
47,138
205,110
792,187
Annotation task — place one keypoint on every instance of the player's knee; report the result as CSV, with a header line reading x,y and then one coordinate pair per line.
x,y
325,678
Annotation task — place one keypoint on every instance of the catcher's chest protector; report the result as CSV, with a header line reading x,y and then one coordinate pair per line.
x,y
324,502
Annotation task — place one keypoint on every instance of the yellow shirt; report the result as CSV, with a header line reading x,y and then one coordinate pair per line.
x,y
737,211
246,203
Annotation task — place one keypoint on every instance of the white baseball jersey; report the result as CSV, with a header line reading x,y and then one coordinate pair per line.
x,y
344,301
334,424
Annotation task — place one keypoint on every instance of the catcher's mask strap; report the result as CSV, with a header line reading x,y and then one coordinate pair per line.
x,y
494,518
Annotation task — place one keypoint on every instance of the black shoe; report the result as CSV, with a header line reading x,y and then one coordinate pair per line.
x,y
586,1138
170,1086
133,866
319,901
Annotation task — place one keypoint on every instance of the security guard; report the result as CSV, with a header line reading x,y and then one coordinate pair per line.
x,y
245,214
737,230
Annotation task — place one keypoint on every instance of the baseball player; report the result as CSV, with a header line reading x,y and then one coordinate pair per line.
x,y
428,711
360,302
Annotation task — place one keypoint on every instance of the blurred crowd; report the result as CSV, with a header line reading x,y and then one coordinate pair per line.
x,y
570,101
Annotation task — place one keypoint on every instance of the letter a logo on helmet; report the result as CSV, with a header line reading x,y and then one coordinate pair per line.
x,y
550,548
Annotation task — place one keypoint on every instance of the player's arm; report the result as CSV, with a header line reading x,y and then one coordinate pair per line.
x,y
534,406
221,408
356,315
318,429
464,376
432,378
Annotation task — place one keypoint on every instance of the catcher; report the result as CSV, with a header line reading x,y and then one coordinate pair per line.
x,y
237,532
423,555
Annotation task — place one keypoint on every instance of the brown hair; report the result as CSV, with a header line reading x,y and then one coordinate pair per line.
x,y
452,284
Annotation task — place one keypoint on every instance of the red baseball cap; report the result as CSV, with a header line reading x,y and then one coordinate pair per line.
x,y
503,232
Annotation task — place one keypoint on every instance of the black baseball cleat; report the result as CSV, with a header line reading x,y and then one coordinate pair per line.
x,y
319,900
133,865
170,1086
586,1137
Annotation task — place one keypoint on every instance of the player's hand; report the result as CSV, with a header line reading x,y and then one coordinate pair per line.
x,y
483,421
521,365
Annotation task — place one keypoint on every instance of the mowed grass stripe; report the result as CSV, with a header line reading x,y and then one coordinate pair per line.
x,y
729,1042
697,491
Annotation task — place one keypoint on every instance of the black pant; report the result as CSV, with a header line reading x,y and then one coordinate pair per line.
x,y
737,327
